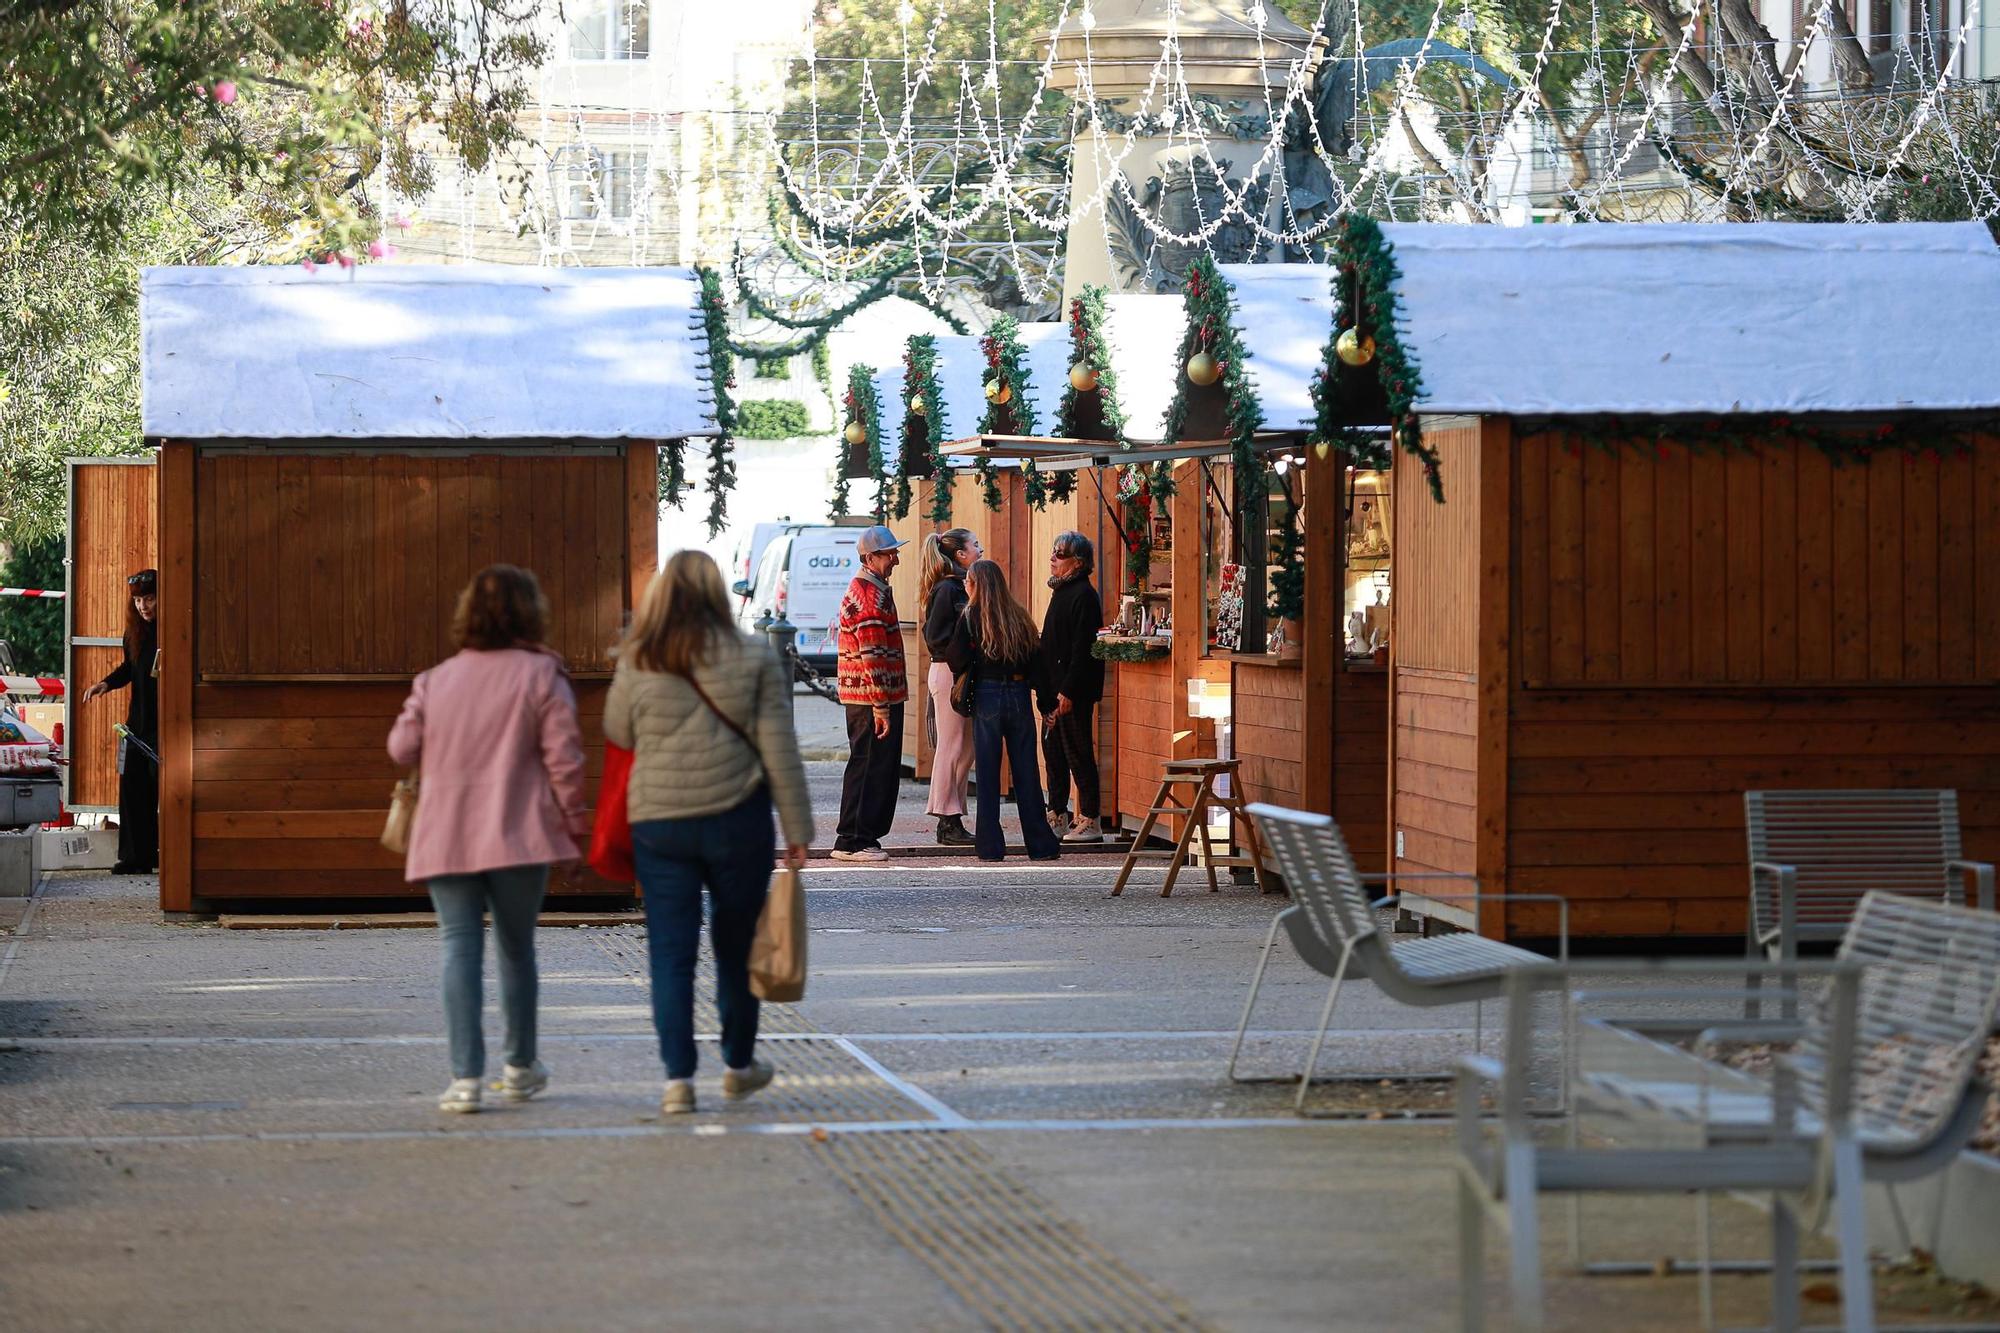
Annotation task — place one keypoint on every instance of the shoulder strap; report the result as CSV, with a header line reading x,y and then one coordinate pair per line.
x,y
727,720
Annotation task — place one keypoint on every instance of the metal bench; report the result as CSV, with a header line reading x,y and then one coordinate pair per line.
x,y
1881,1086
1814,853
1334,926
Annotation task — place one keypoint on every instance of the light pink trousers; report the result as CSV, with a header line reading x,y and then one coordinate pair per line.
x,y
952,764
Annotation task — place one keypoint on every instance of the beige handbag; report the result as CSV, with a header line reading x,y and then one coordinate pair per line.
x,y
778,952
402,819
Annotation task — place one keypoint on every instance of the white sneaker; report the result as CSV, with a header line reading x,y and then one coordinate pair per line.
x,y
518,1084
861,854
740,1083
461,1097
1083,830
678,1099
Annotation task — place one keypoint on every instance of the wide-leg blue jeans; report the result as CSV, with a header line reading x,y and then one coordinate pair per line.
x,y
731,856
1005,717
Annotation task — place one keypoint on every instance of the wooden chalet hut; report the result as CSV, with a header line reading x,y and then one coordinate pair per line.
x,y
1719,509
337,454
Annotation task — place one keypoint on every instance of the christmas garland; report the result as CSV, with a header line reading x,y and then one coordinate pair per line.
x,y
1090,345
1364,289
861,405
923,400
721,378
1006,373
1288,580
1211,332
1142,488
1129,650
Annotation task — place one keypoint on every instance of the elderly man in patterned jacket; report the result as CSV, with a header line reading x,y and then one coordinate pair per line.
x,y
869,637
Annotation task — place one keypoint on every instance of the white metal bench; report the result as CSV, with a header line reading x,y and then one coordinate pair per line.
x,y
1334,925
1814,853
1880,1086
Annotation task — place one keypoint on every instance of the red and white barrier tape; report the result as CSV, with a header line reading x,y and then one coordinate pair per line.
x,y
55,593
49,687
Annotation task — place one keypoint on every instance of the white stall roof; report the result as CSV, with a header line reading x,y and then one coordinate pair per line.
x,y
1663,319
1145,333
418,351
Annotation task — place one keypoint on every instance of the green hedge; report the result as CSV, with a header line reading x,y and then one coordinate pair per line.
x,y
772,419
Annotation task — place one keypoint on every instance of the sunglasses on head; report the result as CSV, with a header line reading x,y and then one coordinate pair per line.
x,y
143,582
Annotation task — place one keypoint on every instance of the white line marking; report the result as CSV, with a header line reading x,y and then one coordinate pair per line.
x,y
21,927
911,1091
706,1130
613,1038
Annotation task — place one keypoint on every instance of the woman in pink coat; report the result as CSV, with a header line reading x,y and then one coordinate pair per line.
x,y
493,732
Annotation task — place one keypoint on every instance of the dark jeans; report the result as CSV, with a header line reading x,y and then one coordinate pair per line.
x,y
514,896
868,790
1071,754
1006,716
730,854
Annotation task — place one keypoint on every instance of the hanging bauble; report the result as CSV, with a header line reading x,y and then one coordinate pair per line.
x,y
918,405
1202,370
1354,348
1083,377
1321,449
999,392
857,433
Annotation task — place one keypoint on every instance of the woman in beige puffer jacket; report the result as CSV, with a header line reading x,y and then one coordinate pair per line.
x,y
707,714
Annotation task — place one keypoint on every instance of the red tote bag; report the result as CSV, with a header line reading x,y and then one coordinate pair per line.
x,y
611,834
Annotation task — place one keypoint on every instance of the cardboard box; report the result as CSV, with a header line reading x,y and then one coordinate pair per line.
x,y
79,848
49,719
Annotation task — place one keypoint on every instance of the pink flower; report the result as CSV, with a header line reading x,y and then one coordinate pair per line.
x,y
380,249
225,92
308,266
346,260
399,222
1927,179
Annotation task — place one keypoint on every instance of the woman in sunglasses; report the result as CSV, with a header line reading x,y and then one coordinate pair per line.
x,y
138,763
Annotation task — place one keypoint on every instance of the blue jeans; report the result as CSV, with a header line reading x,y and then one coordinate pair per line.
x,y
731,855
1006,716
514,896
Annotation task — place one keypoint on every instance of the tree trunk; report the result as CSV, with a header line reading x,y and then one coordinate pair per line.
x,y
1692,67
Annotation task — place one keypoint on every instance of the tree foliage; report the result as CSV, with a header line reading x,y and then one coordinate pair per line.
x,y
33,626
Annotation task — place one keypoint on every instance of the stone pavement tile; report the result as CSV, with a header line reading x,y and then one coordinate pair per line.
x,y
676,1233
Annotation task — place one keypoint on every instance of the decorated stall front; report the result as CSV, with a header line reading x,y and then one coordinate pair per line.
x,y
338,454
1679,512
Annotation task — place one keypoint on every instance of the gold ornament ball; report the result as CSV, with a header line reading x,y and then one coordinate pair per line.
x,y
999,392
1083,378
918,405
1202,370
857,433
1354,348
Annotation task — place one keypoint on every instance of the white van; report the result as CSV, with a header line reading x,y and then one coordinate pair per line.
x,y
804,573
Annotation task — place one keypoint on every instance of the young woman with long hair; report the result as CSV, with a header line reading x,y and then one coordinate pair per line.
x,y
138,773
943,561
997,641
707,712
493,732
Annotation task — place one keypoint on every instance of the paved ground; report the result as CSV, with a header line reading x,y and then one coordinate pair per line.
x,y
1001,1105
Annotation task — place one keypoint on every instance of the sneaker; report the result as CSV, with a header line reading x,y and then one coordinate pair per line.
x,y
1059,821
740,1083
461,1097
518,1084
1083,830
678,1099
951,832
861,854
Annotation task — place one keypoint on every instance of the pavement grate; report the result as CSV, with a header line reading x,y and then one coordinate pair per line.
x,y
1001,1248
627,950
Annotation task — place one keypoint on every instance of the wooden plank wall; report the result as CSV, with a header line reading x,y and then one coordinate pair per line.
x,y
1361,765
352,565
1695,626
1433,643
1145,732
113,533
1267,707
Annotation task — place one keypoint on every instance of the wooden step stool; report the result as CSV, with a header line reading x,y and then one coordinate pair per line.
x,y
1198,776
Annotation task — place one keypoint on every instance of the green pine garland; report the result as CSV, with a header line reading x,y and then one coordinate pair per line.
x,y
1006,363
920,380
1128,650
1288,581
1090,344
1034,486
1211,328
1143,488
1365,276
721,378
864,406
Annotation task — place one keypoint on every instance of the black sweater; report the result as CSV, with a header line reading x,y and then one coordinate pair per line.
x,y
1068,631
941,614
965,654
137,671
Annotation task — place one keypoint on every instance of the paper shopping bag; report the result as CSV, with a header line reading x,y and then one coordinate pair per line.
x,y
778,954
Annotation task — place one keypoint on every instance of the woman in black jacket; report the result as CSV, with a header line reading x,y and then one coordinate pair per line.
x,y
996,641
941,592
138,771
1076,683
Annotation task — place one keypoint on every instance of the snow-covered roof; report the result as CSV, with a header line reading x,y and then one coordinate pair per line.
x,y
1663,318
419,351
1145,334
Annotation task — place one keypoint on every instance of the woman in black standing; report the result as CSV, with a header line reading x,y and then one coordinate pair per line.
x,y
138,771
1076,684
996,641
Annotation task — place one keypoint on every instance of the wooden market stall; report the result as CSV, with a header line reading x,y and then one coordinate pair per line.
x,y
338,454
1720,510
